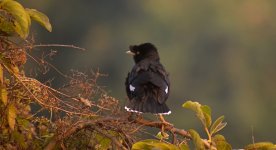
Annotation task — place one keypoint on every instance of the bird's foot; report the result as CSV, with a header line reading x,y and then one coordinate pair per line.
x,y
163,121
167,123
134,116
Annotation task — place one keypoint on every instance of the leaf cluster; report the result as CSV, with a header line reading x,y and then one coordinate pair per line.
x,y
15,20
203,113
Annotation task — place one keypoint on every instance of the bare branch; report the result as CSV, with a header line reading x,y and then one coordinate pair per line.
x,y
58,45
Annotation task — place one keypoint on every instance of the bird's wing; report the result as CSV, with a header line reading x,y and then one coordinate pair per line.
x,y
127,86
161,80
139,79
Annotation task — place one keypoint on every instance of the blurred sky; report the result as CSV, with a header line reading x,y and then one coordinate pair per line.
x,y
220,53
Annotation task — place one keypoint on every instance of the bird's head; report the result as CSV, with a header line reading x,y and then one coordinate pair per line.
x,y
143,51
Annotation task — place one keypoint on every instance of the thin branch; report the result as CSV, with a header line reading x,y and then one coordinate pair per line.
x,y
58,45
49,64
167,127
58,92
170,128
93,124
39,101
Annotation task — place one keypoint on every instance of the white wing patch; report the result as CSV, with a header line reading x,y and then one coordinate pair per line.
x,y
165,113
131,88
167,90
130,110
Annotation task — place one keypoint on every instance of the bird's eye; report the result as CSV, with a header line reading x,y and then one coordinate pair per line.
x,y
138,53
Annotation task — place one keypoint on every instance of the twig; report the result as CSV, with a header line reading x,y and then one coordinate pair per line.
x,y
58,45
56,91
252,135
167,127
170,128
39,101
102,122
52,66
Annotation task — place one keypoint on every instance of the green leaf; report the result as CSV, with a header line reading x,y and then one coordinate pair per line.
x,y
207,114
19,138
261,146
4,95
23,122
199,145
103,142
7,26
163,135
183,146
202,112
192,105
41,18
195,106
159,135
218,125
221,143
151,144
218,137
20,18
11,115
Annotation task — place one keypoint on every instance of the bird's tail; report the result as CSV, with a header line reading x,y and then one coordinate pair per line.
x,y
148,106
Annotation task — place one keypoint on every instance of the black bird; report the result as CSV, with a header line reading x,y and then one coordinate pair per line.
x,y
147,85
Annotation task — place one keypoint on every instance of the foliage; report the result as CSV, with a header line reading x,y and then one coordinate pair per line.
x,y
153,144
261,146
214,142
17,126
16,20
203,113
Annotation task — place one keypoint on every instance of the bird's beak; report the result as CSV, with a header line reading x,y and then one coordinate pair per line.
x,y
130,53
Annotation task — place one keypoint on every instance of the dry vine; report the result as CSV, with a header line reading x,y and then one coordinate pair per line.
x,y
81,108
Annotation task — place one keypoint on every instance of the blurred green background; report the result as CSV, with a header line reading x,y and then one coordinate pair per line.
x,y
220,53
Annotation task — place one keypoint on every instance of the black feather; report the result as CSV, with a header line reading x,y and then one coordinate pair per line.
x,y
147,85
